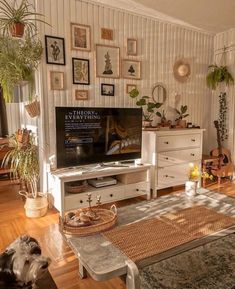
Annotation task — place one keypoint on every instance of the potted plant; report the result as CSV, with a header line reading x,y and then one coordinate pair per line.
x,y
181,115
16,19
218,74
18,61
149,106
23,162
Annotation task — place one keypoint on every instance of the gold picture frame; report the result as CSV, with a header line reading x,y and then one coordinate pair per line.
x,y
131,69
106,33
80,37
107,61
57,80
131,46
81,94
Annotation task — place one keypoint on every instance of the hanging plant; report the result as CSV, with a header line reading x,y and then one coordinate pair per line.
x,y
222,121
218,74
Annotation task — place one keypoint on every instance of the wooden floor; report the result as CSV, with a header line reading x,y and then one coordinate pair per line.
x,y
64,265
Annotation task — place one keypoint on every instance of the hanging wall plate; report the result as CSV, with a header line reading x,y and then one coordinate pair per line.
x,y
182,70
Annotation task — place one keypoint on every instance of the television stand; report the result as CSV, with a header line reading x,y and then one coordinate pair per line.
x,y
132,181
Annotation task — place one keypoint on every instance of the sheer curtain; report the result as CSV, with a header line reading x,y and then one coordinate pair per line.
x,y
3,116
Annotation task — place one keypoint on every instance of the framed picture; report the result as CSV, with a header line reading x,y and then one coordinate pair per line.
x,y
57,80
107,89
55,50
130,87
131,69
131,46
80,37
107,61
81,94
106,33
81,71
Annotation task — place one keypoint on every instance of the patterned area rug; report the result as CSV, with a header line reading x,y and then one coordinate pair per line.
x,y
211,266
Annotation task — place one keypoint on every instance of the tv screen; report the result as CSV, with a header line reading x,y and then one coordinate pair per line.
x,y
97,135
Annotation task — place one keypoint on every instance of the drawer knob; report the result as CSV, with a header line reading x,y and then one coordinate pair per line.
x,y
111,195
166,142
167,176
137,190
192,154
81,201
166,158
193,139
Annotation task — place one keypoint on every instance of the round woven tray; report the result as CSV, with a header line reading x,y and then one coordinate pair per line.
x,y
76,188
108,219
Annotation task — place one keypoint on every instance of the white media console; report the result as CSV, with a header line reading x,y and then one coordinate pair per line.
x,y
132,181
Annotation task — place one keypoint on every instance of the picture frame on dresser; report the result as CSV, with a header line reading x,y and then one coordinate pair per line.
x,y
131,69
107,61
81,71
80,37
55,50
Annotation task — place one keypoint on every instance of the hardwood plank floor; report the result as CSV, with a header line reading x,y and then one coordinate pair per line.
x,y
64,267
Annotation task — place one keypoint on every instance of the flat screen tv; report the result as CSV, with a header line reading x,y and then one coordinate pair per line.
x,y
97,135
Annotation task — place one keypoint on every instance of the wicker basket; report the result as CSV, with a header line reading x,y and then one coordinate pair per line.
x,y
108,219
33,108
76,187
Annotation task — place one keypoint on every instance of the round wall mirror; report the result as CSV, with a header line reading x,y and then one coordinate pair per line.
x,y
159,92
181,70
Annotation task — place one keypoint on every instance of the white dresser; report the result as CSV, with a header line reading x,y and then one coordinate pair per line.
x,y
170,153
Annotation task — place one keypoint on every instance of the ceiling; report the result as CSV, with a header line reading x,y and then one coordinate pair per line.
x,y
210,15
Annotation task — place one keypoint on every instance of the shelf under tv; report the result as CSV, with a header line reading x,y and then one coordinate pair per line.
x,y
132,181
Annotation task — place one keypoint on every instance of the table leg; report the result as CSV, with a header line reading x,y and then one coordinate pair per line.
x,y
132,277
82,270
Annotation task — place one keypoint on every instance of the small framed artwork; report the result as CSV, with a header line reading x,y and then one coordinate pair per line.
x,y
80,37
107,89
81,71
55,50
106,33
131,46
130,87
81,94
57,80
131,69
107,61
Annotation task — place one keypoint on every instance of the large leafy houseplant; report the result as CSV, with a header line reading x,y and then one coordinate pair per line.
x,y
22,160
149,106
18,61
15,19
218,74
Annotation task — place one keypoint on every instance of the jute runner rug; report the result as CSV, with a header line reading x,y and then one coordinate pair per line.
x,y
150,237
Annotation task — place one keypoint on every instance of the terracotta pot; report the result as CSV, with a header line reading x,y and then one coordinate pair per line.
x,y
33,108
17,30
146,123
182,123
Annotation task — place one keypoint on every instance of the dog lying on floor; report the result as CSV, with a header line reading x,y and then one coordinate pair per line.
x,y
22,264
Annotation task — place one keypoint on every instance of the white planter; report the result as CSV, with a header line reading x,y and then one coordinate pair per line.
x,y
191,188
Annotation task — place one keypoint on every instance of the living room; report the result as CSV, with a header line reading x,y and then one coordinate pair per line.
x,y
133,77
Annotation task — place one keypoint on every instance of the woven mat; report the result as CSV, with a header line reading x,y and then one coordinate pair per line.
x,y
147,238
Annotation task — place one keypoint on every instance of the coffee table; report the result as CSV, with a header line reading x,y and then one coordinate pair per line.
x,y
103,261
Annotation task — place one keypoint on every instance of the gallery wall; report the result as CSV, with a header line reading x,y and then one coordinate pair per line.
x,y
159,43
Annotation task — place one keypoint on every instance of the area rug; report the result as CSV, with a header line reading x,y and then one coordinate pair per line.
x,y
211,266
146,238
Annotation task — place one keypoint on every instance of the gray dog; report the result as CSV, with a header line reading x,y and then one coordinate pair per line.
x,y
22,264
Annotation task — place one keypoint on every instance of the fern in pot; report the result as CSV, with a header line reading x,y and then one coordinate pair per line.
x,y
23,162
218,74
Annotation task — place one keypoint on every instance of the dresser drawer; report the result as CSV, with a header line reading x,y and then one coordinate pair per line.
x,y
170,142
74,201
172,175
176,157
134,190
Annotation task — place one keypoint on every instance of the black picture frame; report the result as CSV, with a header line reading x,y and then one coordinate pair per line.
x,y
55,50
81,71
107,89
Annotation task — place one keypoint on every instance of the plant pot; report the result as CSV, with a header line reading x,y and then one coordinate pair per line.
x,y
17,30
191,188
33,108
147,123
182,123
36,208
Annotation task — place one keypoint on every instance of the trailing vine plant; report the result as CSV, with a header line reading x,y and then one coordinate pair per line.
x,y
223,116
